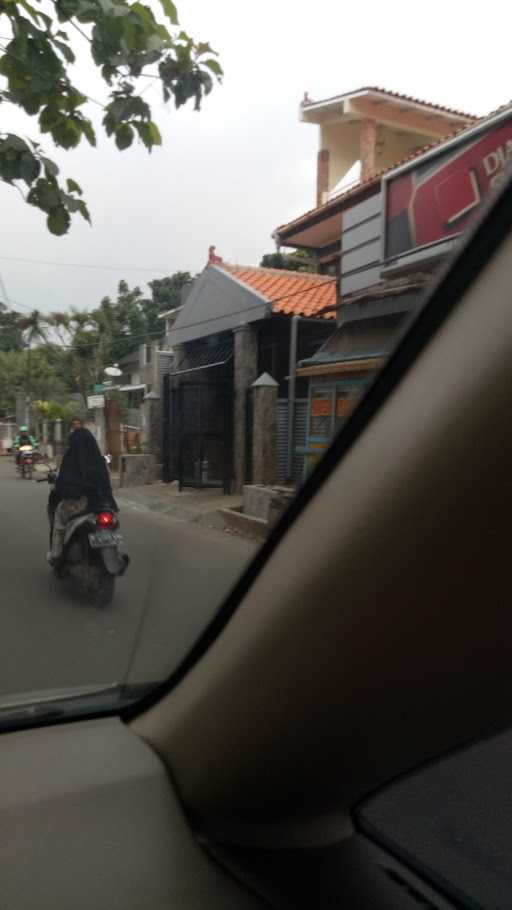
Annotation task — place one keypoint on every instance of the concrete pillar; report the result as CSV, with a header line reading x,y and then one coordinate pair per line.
x,y
322,176
245,373
114,441
153,425
100,429
264,430
59,446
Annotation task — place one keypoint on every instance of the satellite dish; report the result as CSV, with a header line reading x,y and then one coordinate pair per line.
x,y
113,371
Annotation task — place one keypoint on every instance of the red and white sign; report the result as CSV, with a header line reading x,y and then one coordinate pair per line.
x,y
438,198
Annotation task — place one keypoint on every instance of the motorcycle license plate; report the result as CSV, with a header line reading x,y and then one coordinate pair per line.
x,y
105,539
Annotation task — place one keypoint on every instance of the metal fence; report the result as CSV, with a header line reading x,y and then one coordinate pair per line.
x,y
299,438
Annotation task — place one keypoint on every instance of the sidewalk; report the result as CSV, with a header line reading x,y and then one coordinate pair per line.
x,y
191,505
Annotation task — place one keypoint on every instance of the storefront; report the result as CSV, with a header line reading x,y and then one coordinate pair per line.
x,y
334,389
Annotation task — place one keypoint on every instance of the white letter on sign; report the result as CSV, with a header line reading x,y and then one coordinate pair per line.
x,y
491,163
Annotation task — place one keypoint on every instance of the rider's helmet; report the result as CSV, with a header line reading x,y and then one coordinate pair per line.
x,y
23,429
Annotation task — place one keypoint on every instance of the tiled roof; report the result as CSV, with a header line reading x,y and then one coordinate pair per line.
x,y
291,293
375,178
399,97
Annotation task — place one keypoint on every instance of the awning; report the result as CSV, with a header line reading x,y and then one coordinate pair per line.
x,y
338,367
204,358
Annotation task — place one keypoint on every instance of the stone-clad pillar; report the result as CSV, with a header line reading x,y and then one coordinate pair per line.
x,y
264,430
245,372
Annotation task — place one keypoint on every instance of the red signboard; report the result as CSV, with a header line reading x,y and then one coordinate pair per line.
x,y
437,199
321,407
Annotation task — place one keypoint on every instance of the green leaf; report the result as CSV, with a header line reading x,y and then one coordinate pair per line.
x,y
30,10
170,11
88,131
73,186
124,136
74,99
66,9
66,133
14,142
72,204
50,168
49,118
58,221
84,211
65,50
149,133
30,168
45,194
154,132
214,66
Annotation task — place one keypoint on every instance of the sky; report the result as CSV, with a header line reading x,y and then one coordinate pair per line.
x,y
245,164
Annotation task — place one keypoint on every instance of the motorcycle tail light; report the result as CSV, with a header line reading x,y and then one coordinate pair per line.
x,y
105,519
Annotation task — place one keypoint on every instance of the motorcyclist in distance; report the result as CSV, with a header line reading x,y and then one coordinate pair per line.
x,y
24,438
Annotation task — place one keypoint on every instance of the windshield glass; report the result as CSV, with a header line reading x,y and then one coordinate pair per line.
x,y
182,333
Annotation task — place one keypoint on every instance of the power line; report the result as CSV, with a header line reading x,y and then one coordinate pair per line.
x,y
157,334
84,265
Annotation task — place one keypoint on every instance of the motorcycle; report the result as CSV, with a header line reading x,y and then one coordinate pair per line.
x,y
26,457
90,555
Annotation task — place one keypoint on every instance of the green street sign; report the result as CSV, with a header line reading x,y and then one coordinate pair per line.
x,y
98,389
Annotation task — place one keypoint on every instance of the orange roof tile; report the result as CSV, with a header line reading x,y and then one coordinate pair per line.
x,y
399,97
290,293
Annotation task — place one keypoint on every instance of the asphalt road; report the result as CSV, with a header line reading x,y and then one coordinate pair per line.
x,y
178,576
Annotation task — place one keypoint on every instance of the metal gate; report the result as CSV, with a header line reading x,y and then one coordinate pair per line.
x,y
201,434
299,438
166,429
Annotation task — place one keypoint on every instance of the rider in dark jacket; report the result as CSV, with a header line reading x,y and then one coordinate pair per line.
x,y
83,484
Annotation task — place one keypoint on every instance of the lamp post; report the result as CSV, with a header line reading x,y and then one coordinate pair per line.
x,y
113,420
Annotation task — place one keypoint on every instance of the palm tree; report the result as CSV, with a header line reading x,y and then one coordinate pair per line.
x,y
60,325
33,327
34,330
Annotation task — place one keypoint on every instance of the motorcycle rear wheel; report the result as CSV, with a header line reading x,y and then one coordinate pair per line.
x,y
105,587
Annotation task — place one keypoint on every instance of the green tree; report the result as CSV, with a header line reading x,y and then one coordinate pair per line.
x,y
300,261
11,335
26,369
166,294
121,324
128,44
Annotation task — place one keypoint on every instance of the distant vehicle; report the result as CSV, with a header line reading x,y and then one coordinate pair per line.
x,y
26,458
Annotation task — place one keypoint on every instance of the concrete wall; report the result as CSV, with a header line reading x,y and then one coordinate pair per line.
x,y
397,145
342,140
379,147
266,503
136,470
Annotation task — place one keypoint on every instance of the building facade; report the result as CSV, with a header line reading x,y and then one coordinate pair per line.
x,y
385,238
237,324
